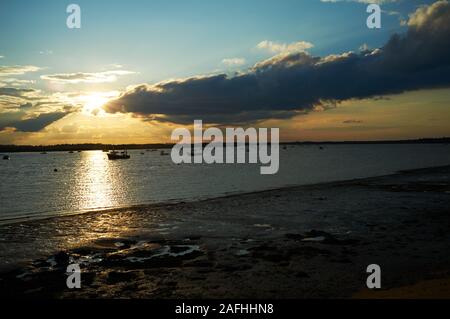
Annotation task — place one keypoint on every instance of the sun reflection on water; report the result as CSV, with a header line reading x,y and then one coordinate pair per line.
x,y
97,181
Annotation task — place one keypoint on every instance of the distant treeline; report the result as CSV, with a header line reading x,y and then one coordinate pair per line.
x,y
78,147
91,147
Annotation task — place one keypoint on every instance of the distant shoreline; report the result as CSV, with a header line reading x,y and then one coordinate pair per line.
x,y
98,147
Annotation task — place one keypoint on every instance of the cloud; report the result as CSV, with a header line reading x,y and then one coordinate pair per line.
x,y
426,44
275,47
46,52
29,110
25,116
30,124
115,66
26,106
15,82
2,56
17,69
234,61
22,93
295,83
84,77
364,47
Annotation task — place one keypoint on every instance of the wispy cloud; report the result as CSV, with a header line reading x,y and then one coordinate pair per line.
x,y
86,77
18,69
275,47
46,52
234,61
15,82
114,66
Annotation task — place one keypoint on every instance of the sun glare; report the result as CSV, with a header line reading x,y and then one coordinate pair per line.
x,y
93,102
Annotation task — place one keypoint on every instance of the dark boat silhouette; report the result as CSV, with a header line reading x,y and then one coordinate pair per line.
x,y
6,157
114,155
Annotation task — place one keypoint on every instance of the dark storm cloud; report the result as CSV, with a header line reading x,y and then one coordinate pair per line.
x,y
29,125
291,83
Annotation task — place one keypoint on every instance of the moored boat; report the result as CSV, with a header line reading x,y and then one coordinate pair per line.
x,y
113,155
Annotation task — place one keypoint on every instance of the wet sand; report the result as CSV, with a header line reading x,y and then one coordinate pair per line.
x,y
301,242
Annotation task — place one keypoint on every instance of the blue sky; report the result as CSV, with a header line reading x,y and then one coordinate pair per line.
x,y
167,39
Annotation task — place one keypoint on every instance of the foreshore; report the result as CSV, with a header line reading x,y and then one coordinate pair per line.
x,y
312,241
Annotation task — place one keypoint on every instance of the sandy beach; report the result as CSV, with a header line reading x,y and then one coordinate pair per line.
x,y
301,242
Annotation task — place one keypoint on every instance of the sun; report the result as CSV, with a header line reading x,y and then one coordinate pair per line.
x,y
93,102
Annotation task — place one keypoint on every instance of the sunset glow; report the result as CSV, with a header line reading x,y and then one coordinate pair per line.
x,y
81,85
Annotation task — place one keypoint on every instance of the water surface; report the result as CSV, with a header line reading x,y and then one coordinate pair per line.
x,y
88,180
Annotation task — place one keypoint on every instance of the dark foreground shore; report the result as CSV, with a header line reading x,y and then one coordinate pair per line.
x,y
301,242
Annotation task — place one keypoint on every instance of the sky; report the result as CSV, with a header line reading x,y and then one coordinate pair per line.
x,y
136,70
